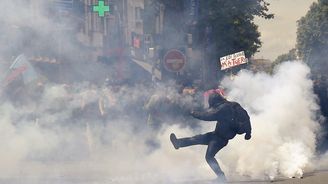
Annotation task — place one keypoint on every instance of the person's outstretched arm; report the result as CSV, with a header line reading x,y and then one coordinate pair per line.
x,y
206,115
213,114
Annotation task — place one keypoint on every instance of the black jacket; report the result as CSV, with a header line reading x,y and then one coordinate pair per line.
x,y
223,112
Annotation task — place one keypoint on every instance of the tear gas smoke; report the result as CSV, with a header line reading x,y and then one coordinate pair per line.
x,y
283,113
282,109
61,134
52,132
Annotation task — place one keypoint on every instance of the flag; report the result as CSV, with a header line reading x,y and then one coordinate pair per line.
x,y
21,67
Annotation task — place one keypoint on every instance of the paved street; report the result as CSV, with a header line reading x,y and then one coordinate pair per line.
x,y
319,177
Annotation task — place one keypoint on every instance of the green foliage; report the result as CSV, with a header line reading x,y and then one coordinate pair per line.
x,y
223,27
312,35
290,56
233,24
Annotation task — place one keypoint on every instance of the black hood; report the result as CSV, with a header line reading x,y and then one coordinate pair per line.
x,y
215,99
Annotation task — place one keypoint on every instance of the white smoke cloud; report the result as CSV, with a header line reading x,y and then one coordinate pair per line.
x,y
45,138
283,113
282,109
50,137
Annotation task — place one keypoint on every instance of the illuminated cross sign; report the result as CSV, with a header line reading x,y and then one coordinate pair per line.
x,y
101,8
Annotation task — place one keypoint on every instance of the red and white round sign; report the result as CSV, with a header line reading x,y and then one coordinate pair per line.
x,y
174,60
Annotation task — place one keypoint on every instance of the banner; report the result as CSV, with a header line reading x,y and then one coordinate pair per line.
x,y
233,60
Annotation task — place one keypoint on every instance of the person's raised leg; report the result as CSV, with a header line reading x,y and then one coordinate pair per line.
x,y
213,147
202,139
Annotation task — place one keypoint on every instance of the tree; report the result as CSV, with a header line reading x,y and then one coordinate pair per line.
x,y
312,36
223,27
232,30
290,56
231,22
233,25
312,44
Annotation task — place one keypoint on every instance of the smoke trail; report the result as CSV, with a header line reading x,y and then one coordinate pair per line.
x,y
283,113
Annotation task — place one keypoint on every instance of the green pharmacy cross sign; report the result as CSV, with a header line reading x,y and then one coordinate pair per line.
x,y
101,8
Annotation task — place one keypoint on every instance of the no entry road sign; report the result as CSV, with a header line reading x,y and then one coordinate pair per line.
x,y
174,60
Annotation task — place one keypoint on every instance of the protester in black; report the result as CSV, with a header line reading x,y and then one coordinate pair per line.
x,y
231,119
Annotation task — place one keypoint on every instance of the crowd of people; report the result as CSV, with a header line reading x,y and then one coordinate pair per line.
x,y
155,105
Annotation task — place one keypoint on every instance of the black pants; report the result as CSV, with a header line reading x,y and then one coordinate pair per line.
x,y
214,143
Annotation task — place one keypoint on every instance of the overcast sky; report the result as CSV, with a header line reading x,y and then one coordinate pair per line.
x,y
279,34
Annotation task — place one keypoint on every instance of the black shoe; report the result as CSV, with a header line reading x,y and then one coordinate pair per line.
x,y
174,141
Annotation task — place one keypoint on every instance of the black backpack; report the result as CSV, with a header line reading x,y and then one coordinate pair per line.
x,y
241,119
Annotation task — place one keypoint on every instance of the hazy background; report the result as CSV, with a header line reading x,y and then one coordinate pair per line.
x,y
279,34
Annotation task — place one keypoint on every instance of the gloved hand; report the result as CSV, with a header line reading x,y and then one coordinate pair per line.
x,y
248,136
